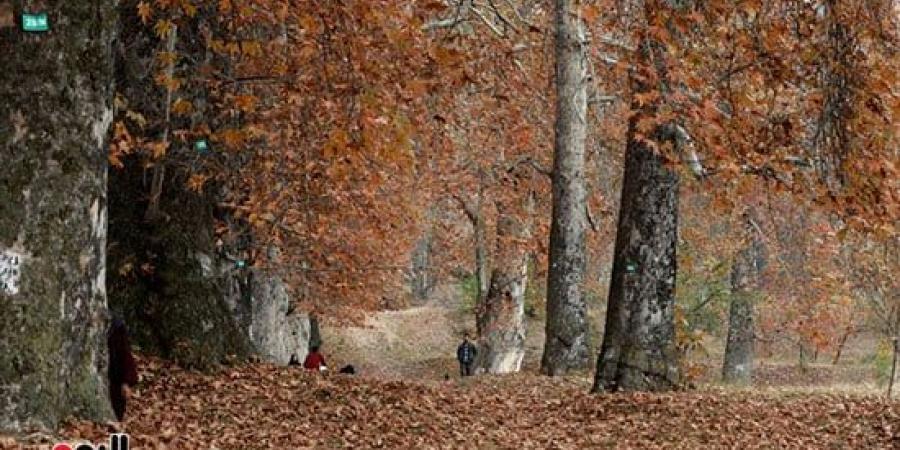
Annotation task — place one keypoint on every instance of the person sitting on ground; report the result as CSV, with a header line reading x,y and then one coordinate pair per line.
x,y
465,354
122,370
314,360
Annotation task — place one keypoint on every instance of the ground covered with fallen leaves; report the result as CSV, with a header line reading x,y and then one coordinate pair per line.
x,y
260,406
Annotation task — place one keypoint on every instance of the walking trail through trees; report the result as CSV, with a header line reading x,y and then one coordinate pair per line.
x,y
684,214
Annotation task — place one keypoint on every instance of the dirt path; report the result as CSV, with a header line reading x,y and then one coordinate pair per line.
x,y
417,343
413,343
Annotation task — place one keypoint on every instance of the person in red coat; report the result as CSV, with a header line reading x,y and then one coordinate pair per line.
x,y
122,368
314,360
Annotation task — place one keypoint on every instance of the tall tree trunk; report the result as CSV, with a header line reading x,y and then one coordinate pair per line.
x,y
482,277
57,90
738,365
638,351
745,272
475,214
420,277
566,345
501,321
839,81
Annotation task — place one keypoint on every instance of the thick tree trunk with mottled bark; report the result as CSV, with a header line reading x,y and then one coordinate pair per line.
x,y
56,90
638,351
745,272
501,320
566,345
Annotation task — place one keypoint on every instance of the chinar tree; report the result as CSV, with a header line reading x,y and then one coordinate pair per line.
x,y
501,317
638,350
566,345
57,90
745,275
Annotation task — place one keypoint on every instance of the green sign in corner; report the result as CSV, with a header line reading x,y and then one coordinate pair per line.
x,y
35,22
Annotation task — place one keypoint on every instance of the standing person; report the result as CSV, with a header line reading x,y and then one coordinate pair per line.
x,y
314,360
465,354
122,368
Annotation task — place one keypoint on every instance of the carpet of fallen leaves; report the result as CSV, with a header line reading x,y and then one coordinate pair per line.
x,y
260,406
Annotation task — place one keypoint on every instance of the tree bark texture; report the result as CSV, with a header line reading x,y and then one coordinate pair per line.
x,y
566,345
482,274
475,214
638,350
745,274
501,321
420,277
56,89
839,80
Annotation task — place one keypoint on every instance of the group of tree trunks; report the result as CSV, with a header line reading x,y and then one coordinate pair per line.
x,y
54,120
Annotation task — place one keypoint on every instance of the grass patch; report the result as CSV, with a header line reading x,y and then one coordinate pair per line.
x,y
468,287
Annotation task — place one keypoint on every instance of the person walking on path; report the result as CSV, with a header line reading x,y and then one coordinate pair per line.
x,y
465,354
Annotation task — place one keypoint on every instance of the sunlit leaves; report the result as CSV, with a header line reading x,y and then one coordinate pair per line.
x,y
166,58
182,107
246,103
309,24
122,144
233,138
251,48
196,182
145,11
162,28
170,83
188,8
158,149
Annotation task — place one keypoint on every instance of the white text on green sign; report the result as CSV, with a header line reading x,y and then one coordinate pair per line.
x,y
35,22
